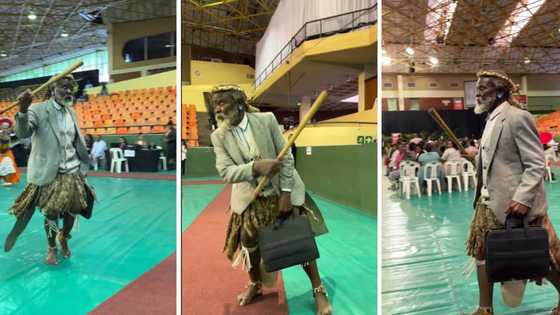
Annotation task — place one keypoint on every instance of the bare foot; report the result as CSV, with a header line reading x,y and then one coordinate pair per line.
x,y
322,301
253,290
64,245
51,256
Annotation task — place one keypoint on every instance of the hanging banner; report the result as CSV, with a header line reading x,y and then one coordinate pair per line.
x,y
458,104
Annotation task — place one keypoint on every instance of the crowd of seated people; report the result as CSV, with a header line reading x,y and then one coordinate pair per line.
x,y
99,149
424,151
436,149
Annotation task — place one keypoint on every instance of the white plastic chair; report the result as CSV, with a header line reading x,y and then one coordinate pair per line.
x,y
548,173
453,171
408,177
468,172
431,176
117,160
163,161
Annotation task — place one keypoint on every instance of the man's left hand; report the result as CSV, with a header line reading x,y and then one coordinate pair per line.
x,y
284,204
517,209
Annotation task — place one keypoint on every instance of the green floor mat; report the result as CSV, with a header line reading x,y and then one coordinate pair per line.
x,y
424,257
348,264
131,231
196,198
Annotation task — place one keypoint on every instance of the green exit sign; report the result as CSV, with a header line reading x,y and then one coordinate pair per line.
x,y
364,139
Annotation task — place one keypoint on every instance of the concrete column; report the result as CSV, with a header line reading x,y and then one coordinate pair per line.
x,y
400,91
304,106
523,88
361,91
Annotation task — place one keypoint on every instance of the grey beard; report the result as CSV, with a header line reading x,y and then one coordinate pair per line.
x,y
66,101
225,121
481,108
69,101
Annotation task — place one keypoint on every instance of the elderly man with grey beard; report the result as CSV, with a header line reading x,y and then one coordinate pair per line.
x,y
246,144
510,173
57,164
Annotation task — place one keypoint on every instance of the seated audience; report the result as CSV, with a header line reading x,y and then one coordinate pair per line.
x,y
98,154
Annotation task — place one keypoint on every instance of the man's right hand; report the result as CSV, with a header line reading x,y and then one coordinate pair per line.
x,y
266,167
24,100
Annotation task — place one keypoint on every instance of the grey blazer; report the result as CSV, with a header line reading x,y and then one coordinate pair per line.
x,y
517,167
41,125
233,169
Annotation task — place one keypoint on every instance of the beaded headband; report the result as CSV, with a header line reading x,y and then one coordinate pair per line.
x,y
500,75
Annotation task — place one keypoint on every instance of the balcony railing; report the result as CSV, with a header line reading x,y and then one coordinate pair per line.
x,y
342,23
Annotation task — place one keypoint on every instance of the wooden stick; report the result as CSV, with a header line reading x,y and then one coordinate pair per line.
x,y
48,83
318,102
446,129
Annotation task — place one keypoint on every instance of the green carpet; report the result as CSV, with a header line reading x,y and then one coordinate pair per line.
x,y
131,231
194,199
424,257
348,264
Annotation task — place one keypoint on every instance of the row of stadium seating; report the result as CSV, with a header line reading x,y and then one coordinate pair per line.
x,y
189,130
126,112
549,122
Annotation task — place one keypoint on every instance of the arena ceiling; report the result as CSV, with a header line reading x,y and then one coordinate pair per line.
x,y
517,36
35,30
230,25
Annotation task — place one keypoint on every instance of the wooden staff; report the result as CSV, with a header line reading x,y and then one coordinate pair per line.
x,y
446,129
318,102
48,83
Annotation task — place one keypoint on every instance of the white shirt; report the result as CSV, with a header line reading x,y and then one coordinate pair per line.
x,y
69,162
485,149
246,140
98,149
451,154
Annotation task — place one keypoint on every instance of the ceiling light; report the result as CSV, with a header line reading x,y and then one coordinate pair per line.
x,y
434,61
64,34
32,16
409,51
386,61
169,46
527,61
3,55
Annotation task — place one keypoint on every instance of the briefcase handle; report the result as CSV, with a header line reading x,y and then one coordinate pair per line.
x,y
279,221
512,222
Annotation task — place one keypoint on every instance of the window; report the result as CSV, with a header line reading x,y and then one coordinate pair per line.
x,y
134,50
97,60
150,47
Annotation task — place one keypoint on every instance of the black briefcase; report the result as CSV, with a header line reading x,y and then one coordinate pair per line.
x,y
287,242
517,252
90,199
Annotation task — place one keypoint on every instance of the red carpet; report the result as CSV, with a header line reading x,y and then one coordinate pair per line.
x,y
137,175
210,284
153,293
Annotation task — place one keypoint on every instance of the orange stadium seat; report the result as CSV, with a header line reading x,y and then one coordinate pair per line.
x,y
131,112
